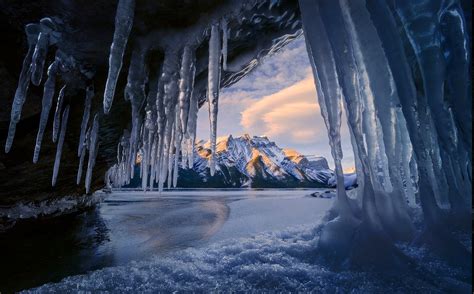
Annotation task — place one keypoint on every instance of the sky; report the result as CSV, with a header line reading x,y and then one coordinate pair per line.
x,y
278,99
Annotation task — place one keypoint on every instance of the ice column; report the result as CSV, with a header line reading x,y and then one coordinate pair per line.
x,y
328,90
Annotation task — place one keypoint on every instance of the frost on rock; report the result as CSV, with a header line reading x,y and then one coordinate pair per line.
x,y
57,113
123,26
59,148
213,85
48,93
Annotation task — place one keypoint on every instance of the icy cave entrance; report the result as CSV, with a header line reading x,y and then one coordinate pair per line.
x,y
399,69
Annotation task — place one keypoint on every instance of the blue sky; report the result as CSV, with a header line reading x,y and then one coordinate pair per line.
x,y
278,99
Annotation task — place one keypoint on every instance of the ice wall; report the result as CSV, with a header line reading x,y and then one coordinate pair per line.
x,y
399,114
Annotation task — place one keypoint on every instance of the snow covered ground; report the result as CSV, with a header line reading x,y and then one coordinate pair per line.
x,y
236,241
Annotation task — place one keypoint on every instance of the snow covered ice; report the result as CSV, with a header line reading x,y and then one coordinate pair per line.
x,y
266,243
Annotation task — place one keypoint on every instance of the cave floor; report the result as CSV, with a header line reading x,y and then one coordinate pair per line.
x,y
135,226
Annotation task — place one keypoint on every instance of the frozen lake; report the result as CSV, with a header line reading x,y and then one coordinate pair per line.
x,y
141,223
204,241
132,225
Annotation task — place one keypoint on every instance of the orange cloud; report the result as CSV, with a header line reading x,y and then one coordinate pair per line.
x,y
292,113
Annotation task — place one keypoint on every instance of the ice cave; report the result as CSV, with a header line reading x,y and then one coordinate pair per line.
x,y
96,93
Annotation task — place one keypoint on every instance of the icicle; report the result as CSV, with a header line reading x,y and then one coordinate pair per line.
x,y
39,57
147,146
135,93
93,146
153,162
166,105
177,149
192,124
170,156
192,120
225,37
328,90
59,147
22,89
85,144
186,85
213,89
48,93
57,114
123,26
85,117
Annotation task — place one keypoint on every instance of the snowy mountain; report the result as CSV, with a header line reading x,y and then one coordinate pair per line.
x,y
255,162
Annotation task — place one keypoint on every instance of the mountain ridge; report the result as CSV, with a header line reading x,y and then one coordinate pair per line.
x,y
256,162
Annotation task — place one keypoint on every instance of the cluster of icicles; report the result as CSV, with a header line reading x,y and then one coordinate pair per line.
x,y
169,127
411,141
40,37
168,132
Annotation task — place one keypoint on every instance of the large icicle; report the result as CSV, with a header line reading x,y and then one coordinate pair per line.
x,y
59,148
186,84
39,57
48,93
57,113
23,83
213,89
123,26
135,93
85,117
192,122
225,38
328,90
93,146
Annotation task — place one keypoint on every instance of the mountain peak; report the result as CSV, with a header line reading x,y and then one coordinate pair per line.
x,y
258,161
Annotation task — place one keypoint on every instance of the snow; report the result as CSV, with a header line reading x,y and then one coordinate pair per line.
x,y
255,241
